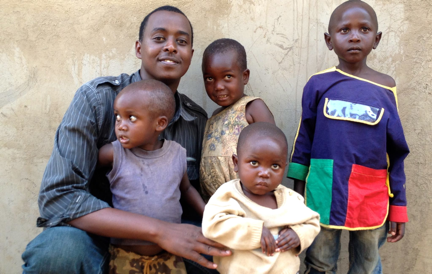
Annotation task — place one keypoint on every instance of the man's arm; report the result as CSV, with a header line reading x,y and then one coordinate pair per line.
x,y
180,239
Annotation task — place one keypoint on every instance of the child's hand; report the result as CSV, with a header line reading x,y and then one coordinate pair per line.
x,y
397,231
268,244
287,239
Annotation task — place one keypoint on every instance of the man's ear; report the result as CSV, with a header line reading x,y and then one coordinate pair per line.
x,y
246,74
161,123
235,161
138,49
327,39
377,39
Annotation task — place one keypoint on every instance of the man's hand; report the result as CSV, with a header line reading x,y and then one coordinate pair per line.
x,y
287,239
268,244
397,231
188,241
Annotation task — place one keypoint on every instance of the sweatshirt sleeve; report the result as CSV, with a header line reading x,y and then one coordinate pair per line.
x,y
397,150
224,221
308,230
301,153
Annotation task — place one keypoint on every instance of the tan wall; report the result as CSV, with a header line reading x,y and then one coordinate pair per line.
x,y
49,48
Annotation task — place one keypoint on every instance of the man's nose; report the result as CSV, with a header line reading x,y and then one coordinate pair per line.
x,y
170,45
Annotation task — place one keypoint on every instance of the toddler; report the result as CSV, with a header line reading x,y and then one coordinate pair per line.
x,y
264,223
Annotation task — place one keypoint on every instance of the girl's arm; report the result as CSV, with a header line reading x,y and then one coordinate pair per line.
x,y
106,155
257,111
191,195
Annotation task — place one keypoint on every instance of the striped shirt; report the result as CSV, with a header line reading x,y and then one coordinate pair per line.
x,y
72,186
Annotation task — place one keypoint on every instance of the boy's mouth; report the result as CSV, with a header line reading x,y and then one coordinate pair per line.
x,y
354,49
123,139
222,97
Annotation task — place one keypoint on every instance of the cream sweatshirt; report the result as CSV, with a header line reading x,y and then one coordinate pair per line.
x,y
232,219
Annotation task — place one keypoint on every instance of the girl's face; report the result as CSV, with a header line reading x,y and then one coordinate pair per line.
x,y
224,80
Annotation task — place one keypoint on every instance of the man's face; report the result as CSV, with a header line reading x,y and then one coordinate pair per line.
x,y
165,48
353,34
224,80
260,165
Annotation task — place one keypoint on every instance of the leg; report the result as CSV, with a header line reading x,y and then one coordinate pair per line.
x,y
322,255
66,250
363,250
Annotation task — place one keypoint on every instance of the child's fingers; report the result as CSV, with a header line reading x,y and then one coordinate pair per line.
x,y
392,228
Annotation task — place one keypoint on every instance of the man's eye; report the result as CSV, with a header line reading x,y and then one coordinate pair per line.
x,y
159,38
253,163
132,118
275,166
118,118
182,42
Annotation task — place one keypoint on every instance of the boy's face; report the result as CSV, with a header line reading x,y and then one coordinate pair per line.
x,y
261,164
353,34
165,48
134,127
224,80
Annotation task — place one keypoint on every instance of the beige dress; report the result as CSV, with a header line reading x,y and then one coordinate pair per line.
x,y
220,142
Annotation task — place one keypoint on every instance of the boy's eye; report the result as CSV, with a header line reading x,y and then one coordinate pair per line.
x,y
365,29
253,163
275,166
118,118
208,79
344,30
132,118
228,76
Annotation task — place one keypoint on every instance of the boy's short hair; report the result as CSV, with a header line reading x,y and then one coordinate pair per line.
x,y
365,5
154,95
165,8
224,45
262,130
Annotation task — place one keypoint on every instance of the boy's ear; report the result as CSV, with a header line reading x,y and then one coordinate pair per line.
x,y
138,49
377,39
246,74
161,123
235,160
327,39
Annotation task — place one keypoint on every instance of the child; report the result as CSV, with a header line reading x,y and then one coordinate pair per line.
x,y
255,215
148,175
225,74
350,148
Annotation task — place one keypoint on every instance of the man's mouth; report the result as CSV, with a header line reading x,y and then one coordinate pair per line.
x,y
168,61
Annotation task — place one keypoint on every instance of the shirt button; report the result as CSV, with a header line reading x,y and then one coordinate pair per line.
x,y
116,82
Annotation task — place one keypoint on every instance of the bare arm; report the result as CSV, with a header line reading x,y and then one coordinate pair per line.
x,y
257,111
180,239
106,155
299,187
191,195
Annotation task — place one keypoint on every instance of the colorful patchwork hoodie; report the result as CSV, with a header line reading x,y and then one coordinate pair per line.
x,y
350,149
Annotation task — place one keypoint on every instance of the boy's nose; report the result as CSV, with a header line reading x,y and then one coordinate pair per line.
x,y
219,86
122,126
354,36
264,172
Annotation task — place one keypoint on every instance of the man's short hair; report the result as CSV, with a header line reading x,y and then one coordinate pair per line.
x,y
224,45
165,8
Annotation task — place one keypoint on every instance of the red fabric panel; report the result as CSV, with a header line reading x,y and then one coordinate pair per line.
x,y
398,214
367,197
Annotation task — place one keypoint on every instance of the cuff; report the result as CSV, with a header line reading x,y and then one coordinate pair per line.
x,y
398,214
297,171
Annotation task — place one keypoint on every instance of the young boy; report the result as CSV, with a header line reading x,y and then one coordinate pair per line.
x,y
350,148
266,224
225,74
148,174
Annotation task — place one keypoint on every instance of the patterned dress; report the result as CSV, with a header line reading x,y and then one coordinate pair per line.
x,y
220,142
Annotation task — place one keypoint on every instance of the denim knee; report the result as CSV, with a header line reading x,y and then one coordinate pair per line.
x,y
66,250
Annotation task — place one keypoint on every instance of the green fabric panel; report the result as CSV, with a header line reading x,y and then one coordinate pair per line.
x,y
319,184
297,171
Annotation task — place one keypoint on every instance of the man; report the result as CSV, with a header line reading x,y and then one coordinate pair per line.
x,y
74,197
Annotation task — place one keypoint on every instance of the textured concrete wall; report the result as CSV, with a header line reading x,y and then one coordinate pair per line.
x,y
49,48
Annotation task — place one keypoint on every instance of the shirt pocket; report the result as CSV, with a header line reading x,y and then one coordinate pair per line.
x,y
354,112
368,197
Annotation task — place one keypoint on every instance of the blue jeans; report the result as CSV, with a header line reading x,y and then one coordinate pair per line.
x,y
66,250
322,255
